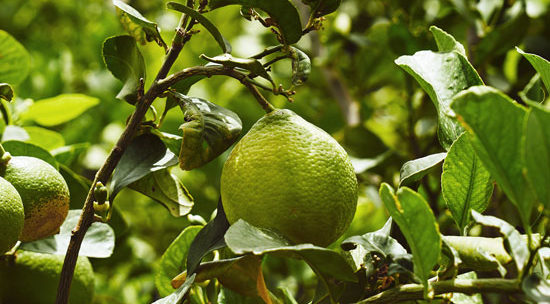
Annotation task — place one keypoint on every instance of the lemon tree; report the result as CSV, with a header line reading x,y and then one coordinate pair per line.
x,y
288,175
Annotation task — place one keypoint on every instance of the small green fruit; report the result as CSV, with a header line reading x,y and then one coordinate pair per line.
x,y
11,216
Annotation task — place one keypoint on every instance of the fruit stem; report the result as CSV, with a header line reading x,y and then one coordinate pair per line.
x,y
5,157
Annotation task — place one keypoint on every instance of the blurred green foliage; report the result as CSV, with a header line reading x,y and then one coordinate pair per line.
x,y
355,92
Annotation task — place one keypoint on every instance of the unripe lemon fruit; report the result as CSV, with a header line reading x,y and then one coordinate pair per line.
x,y
11,216
33,278
44,193
288,175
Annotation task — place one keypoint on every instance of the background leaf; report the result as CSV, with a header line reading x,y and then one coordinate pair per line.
x,y
123,58
138,26
498,140
98,242
282,11
414,170
442,76
320,8
465,183
414,217
60,109
14,60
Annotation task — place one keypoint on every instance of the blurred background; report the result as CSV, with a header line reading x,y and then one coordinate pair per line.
x,y
355,92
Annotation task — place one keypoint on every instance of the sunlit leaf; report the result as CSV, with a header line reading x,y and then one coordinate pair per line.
x,y
146,154
473,252
68,154
123,58
284,14
417,222
99,241
442,76
212,29
44,138
446,42
414,170
465,183
172,261
136,25
176,296
60,109
167,189
537,288
19,148
498,140
14,60
541,65
301,66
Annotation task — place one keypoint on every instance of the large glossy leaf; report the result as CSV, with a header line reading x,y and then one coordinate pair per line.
x,y
414,217
414,170
123,58
19,148
136,25
283,13
98,242
537,152
514,243
14,60
177,296
210,238
59,109
541,65
6,91
442,76
244,238
172,261
212,29
167,189
446,42
146,154
465,183
209,130
498,140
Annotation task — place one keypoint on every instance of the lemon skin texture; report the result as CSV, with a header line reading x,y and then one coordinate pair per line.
x,y
290,176
44,193
11,216
33,278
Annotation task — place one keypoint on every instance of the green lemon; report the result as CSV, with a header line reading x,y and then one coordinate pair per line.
x,y
11,216
288,175
44,193
33,278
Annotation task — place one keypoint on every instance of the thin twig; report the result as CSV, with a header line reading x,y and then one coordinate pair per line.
x,y
416,291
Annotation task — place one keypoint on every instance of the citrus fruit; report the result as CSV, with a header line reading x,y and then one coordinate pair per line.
x,y
44,193
290,176
33,277
11,216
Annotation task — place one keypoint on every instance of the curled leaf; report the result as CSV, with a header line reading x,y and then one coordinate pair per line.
x,y
136,25
250,64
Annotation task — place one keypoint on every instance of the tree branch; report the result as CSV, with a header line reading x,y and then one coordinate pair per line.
x,y
416,291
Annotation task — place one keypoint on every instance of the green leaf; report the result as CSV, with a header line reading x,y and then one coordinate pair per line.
x,y
146,154
68,154
465,183
301,66
136,25
210,238
227,296
541,65
442,76
172,261
283,12
78,187
461,298
60,109
208,131
414,170
44,138
514,243
167,189
244,238
479,253
361,165
417,223
176,296
14,60
536,288
533,91
446,42
123,58
250,64
19,148
212,29
537,152
98,242
320,8
498,141
6,92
